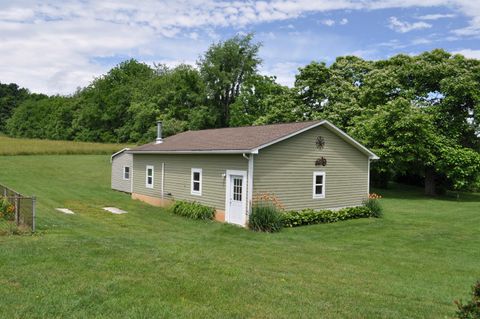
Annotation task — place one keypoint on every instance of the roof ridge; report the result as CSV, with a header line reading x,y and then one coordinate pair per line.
x,y
245,126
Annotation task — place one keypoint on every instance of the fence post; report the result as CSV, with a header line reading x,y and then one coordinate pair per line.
x,y
34,201
17,210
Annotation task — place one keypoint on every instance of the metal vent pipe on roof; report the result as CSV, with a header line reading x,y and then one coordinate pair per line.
x,y
159,138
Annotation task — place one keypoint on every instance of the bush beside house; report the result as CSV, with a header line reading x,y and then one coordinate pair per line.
x,y
192,210
311,217
268,216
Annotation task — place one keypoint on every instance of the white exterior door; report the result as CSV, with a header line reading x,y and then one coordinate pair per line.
x,y
236,197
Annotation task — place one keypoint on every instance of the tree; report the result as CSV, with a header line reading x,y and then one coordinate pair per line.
x,y
255,100
402,135
333,92
224,68
11,96
174,95
282,108
43,117
103,105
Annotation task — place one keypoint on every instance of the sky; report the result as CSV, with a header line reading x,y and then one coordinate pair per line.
x,y
55,47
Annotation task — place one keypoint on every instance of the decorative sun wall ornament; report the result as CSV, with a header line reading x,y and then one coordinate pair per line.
x,y
322,161
320,142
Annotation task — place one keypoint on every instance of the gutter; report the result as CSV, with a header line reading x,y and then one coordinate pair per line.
x,y
195,152
249,183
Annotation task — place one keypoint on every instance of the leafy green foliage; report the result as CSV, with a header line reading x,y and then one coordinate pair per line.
x,y
43,117
374,207
192,210
265,217
11,95
461,166
401,135
471,309
255,100
310,216
105,102
224,68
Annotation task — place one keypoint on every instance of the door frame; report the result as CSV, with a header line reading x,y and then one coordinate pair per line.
x,y
228,190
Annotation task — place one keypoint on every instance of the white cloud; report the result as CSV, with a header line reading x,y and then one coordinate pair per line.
x,y
469,53
328,22
420,41
331,22
54,46
403,26
435,16
284,71
369,54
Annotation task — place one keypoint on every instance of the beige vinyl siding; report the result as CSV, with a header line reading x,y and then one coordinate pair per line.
x,y
286,169
118,162
178,176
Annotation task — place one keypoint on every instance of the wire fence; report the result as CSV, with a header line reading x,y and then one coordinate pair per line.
x,y
20,211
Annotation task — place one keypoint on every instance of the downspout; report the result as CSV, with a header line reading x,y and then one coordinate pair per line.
x,y
163,179
368,186
249,182
131,177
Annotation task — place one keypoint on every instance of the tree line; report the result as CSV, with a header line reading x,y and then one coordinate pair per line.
x,y
420,114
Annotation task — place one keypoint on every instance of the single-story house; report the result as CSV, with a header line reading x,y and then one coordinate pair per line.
x,y
304,164
122,164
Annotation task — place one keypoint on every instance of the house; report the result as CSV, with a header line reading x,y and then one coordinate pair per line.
x,y
122,163
304,164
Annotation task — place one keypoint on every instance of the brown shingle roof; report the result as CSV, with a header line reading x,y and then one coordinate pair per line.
x,y
225,139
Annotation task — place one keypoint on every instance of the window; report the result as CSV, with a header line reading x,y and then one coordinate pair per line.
x,y
149,176
196,188
237,188
318,184
126,172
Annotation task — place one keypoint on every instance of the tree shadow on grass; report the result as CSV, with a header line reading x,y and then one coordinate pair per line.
x,y
408,192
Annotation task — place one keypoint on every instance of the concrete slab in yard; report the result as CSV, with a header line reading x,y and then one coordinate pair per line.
x,y
65,211
114,210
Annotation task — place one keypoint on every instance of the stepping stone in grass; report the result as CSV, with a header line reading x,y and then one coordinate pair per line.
x,y
114,210
65,211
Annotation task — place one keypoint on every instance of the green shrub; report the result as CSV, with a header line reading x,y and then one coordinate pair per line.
x,y
374,206
310,216
192,210
265,217
470,310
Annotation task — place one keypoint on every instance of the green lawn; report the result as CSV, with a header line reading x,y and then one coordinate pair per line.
x,y
148,263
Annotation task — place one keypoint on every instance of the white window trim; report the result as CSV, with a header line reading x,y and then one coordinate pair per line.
x,y
129,172
193,192
318,196
146,176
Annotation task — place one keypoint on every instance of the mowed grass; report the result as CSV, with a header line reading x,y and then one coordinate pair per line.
x,y
150,264
20,146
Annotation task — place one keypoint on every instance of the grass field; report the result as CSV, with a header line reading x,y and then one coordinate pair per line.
x,y
20,146
148,263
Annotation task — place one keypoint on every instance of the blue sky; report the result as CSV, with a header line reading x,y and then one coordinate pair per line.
x,y
56,46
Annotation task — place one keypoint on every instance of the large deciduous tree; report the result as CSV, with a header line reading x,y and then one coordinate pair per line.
x,y
104,103
224,68
420,113
11,96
